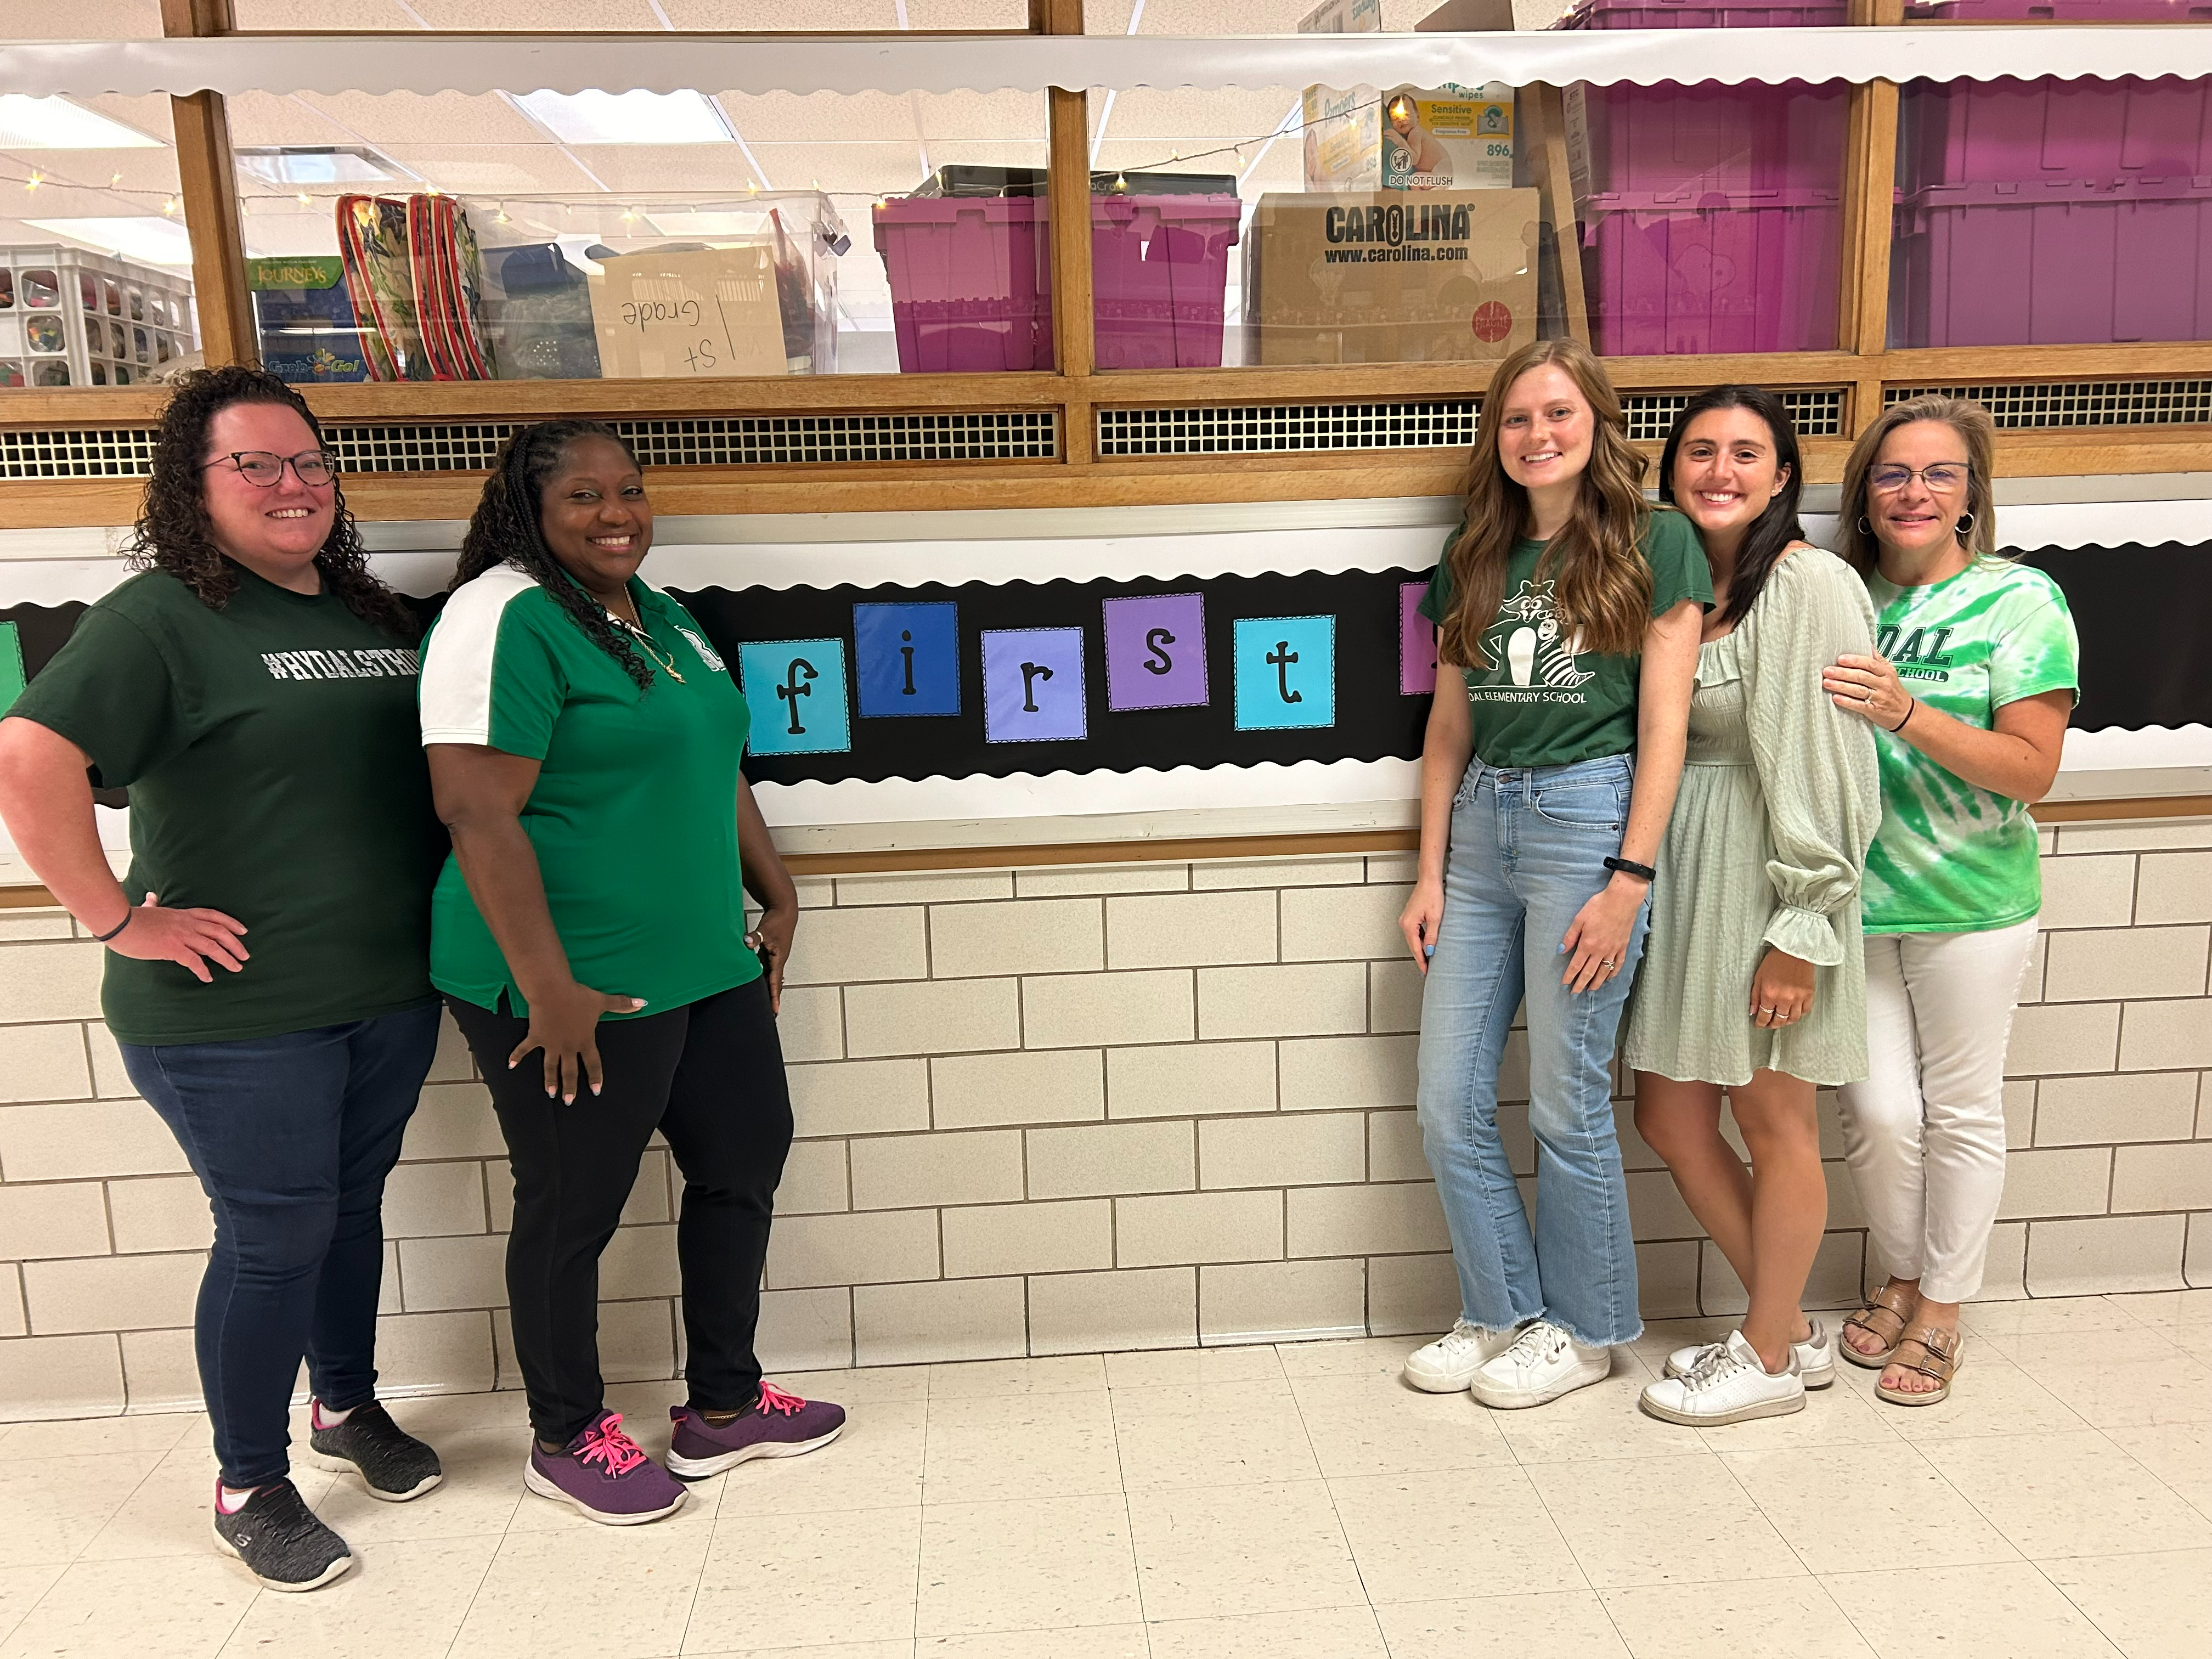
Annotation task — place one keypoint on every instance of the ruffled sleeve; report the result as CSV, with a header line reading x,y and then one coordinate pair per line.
x,y
1816,763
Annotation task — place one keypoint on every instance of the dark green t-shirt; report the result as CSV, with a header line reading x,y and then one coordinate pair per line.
x,y
634,814
1543,701
269,749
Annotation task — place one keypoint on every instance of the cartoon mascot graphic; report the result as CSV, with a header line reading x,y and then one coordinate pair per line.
x,y
1533,646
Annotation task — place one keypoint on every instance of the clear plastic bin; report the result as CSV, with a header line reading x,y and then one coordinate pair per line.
x,y
71,317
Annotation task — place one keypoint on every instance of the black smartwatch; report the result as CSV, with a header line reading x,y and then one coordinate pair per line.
x,y
1643,872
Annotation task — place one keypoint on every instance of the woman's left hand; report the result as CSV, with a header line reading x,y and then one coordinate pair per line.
x,y
1598,938
1870,688
1782,990
771,942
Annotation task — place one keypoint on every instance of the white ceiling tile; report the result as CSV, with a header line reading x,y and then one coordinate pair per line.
x,y
266,118
791,117
782,16
1184,113
83,20
968,14
864,169
444,118
151,116
492,169
536,16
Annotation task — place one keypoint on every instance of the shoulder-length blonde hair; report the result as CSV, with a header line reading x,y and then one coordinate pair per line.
x,y
1604,584
1975,431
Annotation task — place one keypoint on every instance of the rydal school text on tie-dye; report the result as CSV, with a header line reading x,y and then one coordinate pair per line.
x,y
1951,858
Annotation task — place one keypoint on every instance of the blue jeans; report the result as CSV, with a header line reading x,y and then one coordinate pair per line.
x,y
291,1137
1528,849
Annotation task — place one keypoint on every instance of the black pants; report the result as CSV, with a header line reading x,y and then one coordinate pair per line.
x,y
709,1077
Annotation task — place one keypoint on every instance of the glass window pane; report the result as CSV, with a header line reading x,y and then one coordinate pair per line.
x,y
2050,212
1284,226
786,234
706,17
95,264
1711,216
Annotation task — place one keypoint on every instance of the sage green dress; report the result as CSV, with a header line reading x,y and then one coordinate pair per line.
x,y
1767,845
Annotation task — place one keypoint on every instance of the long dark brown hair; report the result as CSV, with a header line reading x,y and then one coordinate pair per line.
x,y
1773,531
507,528
174,533
1604,584
1975,431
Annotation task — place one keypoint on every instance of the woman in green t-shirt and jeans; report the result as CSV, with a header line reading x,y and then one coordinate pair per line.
x,y
1970,692
1572,612
589,934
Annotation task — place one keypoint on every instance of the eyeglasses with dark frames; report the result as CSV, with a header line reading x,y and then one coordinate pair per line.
x,y
261,467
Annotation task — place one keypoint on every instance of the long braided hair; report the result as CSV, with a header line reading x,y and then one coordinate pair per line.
x,y
507,529
174,533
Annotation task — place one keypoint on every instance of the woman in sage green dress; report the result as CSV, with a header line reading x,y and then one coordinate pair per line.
x,y
1754,980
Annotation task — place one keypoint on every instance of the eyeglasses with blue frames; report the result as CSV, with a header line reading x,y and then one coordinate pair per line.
x,y
261,467
1943,478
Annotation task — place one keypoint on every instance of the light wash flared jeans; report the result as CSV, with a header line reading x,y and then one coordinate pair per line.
x,y
1527,850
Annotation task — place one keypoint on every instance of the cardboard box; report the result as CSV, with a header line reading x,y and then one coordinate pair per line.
x,y
1381,276
1409,138
678,316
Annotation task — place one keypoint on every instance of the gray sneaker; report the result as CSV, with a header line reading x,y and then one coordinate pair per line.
x,y
393,1464
280,1538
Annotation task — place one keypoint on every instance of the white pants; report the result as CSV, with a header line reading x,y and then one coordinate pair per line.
x,y
1925,1132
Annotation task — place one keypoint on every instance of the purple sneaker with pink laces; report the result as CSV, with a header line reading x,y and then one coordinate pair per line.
x,y
606,1476
777,1425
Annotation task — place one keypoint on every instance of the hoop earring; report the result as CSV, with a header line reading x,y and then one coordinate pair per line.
x,y
1965,524
1865,529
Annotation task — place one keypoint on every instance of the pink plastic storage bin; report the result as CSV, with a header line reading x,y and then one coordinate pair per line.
x,y
971,283
1713,219
2014,131
2035,212
1159,271
1716,273
1706,15
2052,262
2058,11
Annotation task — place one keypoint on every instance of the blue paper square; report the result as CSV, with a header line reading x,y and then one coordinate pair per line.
x,y
905,659
1155,652
1033,690
1285,672
796,691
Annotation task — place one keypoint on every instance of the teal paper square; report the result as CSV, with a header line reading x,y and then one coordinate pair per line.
x,y
799,683
1285,672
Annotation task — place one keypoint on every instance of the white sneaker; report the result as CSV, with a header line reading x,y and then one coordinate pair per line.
x,y
1816,1356
1543,1363
1448,1364
1728,1385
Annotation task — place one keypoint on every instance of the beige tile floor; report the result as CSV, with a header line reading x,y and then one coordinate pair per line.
x,y
1294,1502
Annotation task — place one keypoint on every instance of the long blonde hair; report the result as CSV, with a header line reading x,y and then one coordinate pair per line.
x,y
1975,428
1604,584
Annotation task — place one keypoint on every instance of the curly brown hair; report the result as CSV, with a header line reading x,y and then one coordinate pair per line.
x,y
174,533
507,528
1604,582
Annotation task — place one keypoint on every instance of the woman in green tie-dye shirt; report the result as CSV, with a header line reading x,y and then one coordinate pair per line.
x,y
1970,691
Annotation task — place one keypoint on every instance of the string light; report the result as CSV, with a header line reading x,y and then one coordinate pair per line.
x,y
304,199
113,179
36,179
169,207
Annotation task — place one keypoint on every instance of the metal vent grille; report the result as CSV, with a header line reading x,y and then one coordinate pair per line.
x,y
1261,429
468,447
1814,414
1258,429
108,453
2080,402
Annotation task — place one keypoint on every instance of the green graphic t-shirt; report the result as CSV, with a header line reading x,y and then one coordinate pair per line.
x,y
1951,858
270,752
1543,700
633,817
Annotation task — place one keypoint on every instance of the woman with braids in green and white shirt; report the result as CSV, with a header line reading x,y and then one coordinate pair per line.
x,y
1975,678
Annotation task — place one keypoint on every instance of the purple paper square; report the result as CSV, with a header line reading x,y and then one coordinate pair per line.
x,y
1416,642
1155,652
1033,690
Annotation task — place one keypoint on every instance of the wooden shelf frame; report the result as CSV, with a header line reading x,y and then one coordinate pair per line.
x,y
1863,366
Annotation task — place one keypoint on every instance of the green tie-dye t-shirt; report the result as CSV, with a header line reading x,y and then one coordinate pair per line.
x,y
1951,858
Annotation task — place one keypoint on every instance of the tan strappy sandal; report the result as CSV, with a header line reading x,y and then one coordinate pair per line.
x,y
1892,1302
1940,1353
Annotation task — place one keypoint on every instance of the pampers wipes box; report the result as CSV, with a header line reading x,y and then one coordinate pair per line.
x,y
1384,277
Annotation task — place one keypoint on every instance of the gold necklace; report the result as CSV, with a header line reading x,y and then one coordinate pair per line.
x,y
644,639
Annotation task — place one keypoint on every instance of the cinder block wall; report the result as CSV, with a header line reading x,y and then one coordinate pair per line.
x,y
1054,1110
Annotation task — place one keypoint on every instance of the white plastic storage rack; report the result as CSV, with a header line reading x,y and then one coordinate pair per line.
x,y
71,316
